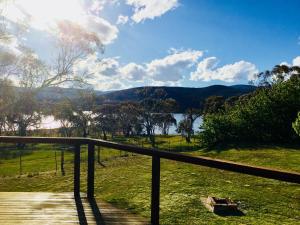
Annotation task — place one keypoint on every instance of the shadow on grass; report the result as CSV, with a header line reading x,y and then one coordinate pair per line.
x,y
183,148
230,213
251,146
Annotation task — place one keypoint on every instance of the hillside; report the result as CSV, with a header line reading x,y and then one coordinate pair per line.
x,y
185,96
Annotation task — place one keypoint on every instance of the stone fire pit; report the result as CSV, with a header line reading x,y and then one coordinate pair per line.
x,y
219,205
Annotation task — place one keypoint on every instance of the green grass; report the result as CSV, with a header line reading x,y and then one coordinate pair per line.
x,y
173,143
125,182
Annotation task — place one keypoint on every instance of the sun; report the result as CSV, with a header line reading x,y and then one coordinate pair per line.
x,y
46,13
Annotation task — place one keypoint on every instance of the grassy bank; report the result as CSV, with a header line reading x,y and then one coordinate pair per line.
x,y
125,182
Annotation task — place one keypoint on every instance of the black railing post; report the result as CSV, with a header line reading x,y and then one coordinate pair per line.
x,y
91,171
155,190
77,170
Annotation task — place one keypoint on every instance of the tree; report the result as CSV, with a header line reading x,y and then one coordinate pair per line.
x,y
213,104
106,119
129,120
74,44
165,121
82,112
296,124
185,126
25,110
264,116
6,99
278,74
33,75
153,103
24,113
63,113
165,118
76,114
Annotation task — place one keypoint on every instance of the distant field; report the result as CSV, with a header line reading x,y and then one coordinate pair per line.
x,y
124,180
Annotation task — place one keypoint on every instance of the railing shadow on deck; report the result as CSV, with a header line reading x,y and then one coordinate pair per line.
x,y
156,155
80,211
95,209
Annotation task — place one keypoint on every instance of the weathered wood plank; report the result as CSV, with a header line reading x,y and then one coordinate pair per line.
x,y
35,208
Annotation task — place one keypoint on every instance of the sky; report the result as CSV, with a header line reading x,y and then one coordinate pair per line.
x,y
191,43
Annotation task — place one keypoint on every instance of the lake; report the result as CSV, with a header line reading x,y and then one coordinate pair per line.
x,y
48,122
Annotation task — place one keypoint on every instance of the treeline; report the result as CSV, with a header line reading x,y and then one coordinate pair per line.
x,y
21,112
83,117
263,116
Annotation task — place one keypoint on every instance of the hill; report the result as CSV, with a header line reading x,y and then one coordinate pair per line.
x,y
185,96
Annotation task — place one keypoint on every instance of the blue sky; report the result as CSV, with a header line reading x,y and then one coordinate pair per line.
x,y
181,42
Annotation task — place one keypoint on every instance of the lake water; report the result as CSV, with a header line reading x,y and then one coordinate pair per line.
x,y
48,122
179,117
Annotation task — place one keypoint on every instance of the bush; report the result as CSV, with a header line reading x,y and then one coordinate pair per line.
x,y
263,116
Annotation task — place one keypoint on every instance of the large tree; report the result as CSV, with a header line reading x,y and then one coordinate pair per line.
x,y
185,126
6,100
106,119
129,120
63,112
32,75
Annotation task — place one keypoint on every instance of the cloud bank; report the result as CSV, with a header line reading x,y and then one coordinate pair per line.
x,y
208,70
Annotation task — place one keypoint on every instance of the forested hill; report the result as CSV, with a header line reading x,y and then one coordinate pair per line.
x,y
185,96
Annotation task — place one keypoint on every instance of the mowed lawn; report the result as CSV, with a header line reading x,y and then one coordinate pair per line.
x,y
124,180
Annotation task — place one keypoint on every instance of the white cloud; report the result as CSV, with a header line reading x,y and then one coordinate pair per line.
x,y
149,9
104,74
122,19
97,6
10,46
169,70
105,68
207,70
104,30
133,72
108,67
174,66
296,61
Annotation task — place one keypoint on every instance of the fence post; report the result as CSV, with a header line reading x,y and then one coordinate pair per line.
x,y
98,155
77,170
20,162
155,190
91,171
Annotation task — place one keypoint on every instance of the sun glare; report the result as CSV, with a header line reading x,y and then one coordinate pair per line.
x,y
46,13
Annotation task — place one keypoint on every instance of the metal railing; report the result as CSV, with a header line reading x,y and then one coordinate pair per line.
x,y
156,155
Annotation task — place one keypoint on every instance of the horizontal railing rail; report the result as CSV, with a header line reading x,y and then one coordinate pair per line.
x,y
156,155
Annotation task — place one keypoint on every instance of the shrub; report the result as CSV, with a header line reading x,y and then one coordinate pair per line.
x,y
264,116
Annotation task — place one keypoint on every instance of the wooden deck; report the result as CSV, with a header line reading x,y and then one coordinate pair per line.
x,y
32,208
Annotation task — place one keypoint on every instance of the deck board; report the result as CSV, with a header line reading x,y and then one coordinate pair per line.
x,y
35,208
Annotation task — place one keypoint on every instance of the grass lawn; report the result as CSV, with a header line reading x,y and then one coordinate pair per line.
x,y
125,182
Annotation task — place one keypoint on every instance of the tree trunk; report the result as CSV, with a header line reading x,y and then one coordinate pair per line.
x,y
188,137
